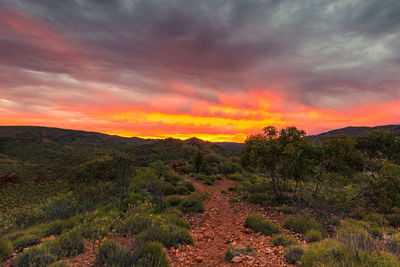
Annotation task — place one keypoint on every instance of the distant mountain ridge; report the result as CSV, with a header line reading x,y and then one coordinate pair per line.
x,y
76,136
354,131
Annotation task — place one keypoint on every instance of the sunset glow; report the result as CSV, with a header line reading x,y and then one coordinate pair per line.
x,y
219,71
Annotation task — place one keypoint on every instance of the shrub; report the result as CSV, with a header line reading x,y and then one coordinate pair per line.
x,y
139,219
26,241
153,254
355,236
176,220
110,253
58,264
313,236
167,234
235,177
67,245
257,223
376,218
6,248
172,177
394,220
224,192
258,198
302,223
188,185
281,240
330,252
182,190
286,209
36,256
191,204
237,251
208,182
173,201
168,189
293,254
327,252
393,244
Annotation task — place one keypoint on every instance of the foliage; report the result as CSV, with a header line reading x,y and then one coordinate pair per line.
x,y
258,198
293,254
281,240
67,245
303,223
258,223
6,248
313,236
36,256
191,204
153,254
173,201
26,241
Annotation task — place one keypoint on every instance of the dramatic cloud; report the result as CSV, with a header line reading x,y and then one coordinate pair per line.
x,y
213,69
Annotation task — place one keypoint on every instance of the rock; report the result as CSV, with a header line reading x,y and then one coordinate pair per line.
x,y
199,259
236,259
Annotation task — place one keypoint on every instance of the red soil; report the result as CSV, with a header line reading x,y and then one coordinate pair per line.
x,y
220,227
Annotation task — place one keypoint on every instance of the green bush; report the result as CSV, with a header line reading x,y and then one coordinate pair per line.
x,y
188,185
153,254
313,236
258,198
173,201
258,223
355,236
376,218
139,219
286,209
394,220
168,189
281,240
172,177
58,264
393,244
330,252
6,249
293,254
232,252
35,256
302,223
208,182
191,204
106,252
67,245
168,234
26,241
111,254
327,252
182,190
235,177
174,219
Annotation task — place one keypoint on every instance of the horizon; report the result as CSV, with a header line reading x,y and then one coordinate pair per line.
x,y
215,70
184,139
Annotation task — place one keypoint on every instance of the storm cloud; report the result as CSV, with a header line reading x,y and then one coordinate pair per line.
x,y
339,57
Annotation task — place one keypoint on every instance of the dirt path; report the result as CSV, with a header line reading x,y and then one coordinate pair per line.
x,y
220,227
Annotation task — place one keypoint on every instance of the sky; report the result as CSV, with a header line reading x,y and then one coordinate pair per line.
x,y
215,69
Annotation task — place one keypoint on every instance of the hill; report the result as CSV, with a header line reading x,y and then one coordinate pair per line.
x,y
33,151
354,131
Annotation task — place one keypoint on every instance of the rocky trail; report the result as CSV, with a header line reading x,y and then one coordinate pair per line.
x,y
220,227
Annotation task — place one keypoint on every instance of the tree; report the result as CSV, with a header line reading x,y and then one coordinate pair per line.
x,y
283,155
198,160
